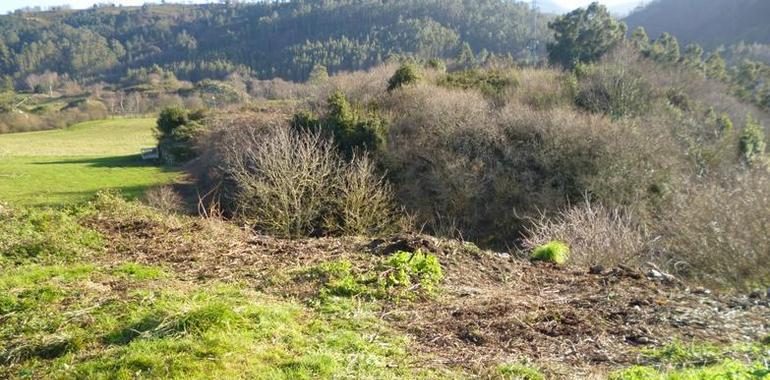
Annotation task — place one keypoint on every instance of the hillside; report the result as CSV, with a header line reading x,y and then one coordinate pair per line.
x,y
267,39
710,23
415,200
116,288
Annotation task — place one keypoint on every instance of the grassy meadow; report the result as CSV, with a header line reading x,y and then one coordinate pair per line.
x,y
67,166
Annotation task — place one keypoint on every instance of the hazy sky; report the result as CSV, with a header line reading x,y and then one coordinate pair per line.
x,y
571,4
9,5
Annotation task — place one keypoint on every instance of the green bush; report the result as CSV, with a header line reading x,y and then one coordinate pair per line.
x,y
491,83
178,128
724,124
406,75
353,127
406,270
752,142
554,252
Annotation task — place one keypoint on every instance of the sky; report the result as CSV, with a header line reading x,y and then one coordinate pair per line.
x,y
572,4
10,5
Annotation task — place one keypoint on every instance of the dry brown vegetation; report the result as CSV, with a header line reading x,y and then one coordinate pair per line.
x,y
491,309
610,159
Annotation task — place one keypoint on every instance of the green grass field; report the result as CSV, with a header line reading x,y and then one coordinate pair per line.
x,y
52,168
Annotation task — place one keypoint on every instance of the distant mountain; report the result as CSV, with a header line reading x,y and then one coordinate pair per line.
x,y
548,6
708,22
619,10
624,9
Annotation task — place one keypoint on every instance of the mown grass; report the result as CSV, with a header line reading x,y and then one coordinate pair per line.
x,y
51,168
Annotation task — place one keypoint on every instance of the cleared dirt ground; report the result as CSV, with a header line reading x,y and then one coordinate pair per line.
x,y
576,322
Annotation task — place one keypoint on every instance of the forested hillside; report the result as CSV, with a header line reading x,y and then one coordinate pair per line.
x,y
284,39
710,23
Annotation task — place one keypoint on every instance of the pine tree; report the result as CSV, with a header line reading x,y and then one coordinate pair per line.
x,y
466,57
640,40
665,49
752,142
584,35
715,67
319,74
693,56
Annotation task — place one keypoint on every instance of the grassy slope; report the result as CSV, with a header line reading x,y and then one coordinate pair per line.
x,y
67,311
70,165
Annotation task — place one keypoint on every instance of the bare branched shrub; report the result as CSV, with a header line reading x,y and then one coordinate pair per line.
x,y
595,235
284,179
363,200
164,198
295,184
615,90
720,233
544,89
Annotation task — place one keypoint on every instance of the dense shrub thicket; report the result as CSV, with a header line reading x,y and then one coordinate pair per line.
x,y
609,158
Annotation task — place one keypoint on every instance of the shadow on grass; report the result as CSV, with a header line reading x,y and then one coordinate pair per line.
x,y
78,197
145,327
129,161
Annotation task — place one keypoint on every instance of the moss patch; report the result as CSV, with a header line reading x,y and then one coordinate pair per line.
x,y
553,252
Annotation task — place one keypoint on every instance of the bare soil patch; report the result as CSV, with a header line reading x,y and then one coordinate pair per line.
x,y
493,308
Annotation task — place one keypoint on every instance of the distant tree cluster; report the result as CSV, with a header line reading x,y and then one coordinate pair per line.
x,y
584,35
749,79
